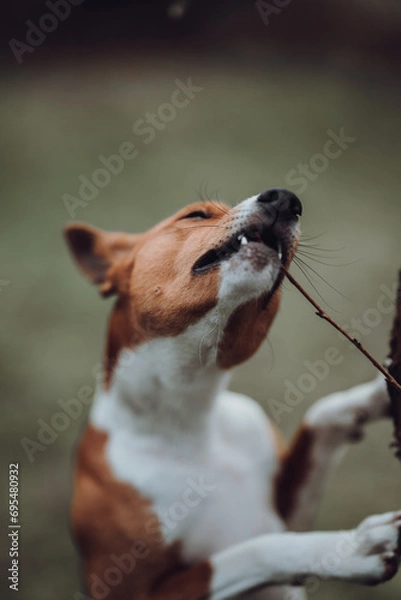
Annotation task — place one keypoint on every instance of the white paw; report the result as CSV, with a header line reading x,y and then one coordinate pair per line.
x,y
344,415
377,552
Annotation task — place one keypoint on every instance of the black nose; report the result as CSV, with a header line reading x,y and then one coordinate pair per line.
x,y
287,204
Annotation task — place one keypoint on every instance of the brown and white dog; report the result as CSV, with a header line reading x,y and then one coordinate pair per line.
x,y
183,489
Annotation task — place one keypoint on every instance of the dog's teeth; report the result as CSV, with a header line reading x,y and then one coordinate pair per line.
x,y
244,240
280,253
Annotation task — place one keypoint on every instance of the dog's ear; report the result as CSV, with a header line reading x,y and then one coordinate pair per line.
x,y
102,256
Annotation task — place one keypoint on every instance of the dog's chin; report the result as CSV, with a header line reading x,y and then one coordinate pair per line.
x,y
251,273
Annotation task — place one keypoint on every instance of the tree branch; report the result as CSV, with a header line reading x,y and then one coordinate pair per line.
x,y
393,383
395,370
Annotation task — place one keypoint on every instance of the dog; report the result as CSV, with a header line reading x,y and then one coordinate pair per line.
x,y
184,490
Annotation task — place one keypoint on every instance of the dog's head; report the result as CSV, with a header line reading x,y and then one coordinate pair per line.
x,y
207,263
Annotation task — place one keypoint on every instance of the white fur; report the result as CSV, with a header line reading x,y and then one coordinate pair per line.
x,y
199,432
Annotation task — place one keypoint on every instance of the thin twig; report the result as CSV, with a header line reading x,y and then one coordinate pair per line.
x,y
323,315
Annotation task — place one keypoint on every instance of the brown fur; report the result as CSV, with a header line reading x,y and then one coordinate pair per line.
x,y
110,519
246,330
296,465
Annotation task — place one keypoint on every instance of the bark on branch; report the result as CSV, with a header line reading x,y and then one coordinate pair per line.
x,y
395,371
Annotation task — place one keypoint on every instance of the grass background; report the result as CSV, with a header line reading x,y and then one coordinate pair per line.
x,y
240,135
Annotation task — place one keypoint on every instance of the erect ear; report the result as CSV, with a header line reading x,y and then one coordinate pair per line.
x,y
102,256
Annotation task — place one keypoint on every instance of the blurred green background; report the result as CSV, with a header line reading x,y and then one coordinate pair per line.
x,y
254,121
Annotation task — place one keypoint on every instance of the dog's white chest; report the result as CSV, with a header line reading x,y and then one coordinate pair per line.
x,y
207,496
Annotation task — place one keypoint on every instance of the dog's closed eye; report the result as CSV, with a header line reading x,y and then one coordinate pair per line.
x,y
196,214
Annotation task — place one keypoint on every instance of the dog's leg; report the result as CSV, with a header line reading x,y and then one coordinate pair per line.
x,y
329,426
367,555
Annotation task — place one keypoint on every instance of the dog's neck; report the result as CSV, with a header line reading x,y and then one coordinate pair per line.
x,y
165,387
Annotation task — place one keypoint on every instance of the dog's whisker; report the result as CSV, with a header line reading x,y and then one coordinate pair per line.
x,y
218,341
204,195
270,345
220,206
314,248
306,265
327,264
203,191
302,267
316,258
202,227
207,334
314,237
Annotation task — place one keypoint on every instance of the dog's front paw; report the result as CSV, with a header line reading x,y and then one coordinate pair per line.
x,y
378,549
342,417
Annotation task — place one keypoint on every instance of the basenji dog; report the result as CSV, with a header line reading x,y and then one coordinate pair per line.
x,y
184,489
